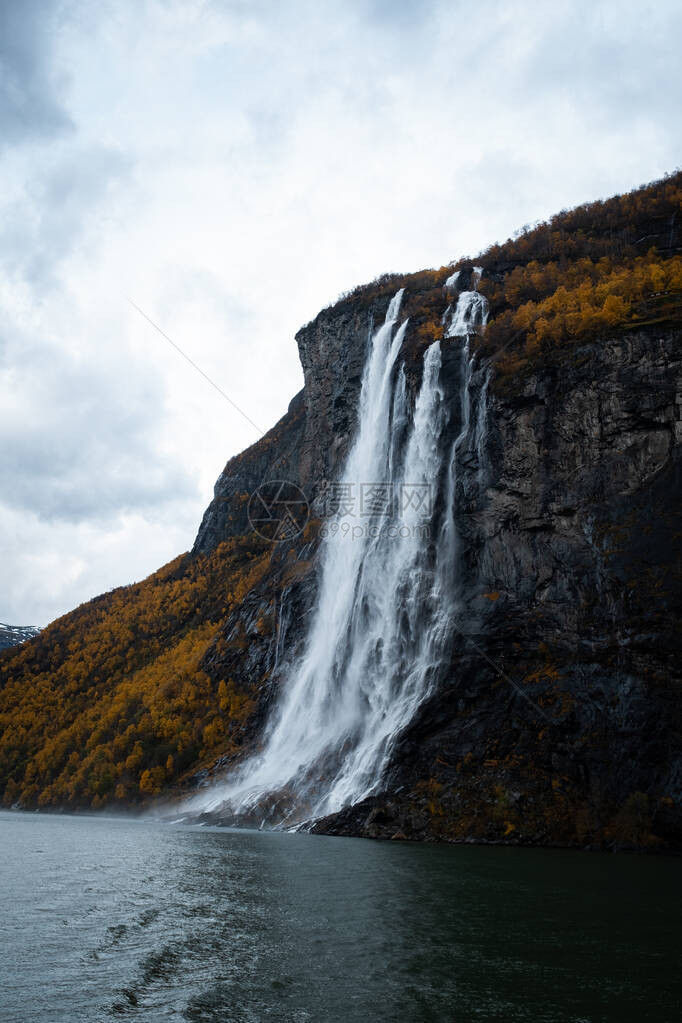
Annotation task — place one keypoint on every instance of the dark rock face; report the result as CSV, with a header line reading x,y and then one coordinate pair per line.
x,y
275,456
557,720
333,349
11,635
308,445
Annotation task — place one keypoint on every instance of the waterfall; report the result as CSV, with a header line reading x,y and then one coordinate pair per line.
x,y
470,314
384,613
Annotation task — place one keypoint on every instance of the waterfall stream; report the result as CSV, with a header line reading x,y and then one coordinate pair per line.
x,y
388,589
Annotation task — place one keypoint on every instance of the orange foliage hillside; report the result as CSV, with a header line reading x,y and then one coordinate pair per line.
x,y
109,703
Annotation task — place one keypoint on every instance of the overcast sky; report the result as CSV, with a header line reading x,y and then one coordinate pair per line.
x,y
231,167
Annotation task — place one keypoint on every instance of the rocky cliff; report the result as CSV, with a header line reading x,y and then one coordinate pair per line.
x,y
557,717
559,720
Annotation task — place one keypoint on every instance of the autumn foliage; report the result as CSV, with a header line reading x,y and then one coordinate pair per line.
x,y
110,703
603,267
588,273
113,703
592,299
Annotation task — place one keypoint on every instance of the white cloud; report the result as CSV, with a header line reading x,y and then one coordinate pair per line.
x,y
232,167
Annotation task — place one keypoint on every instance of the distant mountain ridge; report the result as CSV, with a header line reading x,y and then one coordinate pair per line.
x,y
11,635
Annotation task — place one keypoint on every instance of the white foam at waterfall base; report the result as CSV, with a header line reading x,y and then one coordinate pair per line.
x,y
384,608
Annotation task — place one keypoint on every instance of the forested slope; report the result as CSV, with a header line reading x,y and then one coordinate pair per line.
x,y
129,694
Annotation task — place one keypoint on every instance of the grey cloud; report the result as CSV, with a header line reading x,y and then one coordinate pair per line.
x,y
236,165
86,445
66,181
606,59
28,82
42,227
402,14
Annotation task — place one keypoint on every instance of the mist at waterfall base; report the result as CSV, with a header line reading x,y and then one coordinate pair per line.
x,y
387,601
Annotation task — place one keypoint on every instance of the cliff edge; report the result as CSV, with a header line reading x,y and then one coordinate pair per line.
x,y
557,717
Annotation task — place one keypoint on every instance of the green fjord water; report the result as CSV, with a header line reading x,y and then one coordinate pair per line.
x,y
116,919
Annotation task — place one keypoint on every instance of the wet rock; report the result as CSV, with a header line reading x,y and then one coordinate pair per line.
x,y
560,699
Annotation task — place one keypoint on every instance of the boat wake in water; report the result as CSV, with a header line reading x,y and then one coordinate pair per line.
x,y
387,600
